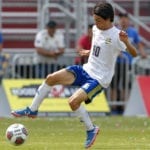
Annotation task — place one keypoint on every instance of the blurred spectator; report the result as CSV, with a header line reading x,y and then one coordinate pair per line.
x,y
3,59
121,83
84,43
49,45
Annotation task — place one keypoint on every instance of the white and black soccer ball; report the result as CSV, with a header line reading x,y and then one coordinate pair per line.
x,y
16,134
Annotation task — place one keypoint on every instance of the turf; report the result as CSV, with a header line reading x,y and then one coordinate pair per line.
x,y
117,133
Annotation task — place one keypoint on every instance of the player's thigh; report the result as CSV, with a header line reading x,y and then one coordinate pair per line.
x,y
62,76
77,98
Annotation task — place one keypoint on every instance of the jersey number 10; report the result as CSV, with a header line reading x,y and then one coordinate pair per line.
x,y
96,50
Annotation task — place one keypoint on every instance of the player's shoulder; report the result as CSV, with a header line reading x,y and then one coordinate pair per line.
x,y
116,30
94,28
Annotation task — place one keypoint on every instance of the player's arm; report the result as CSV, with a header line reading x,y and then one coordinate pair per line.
x,y
129,47
84,53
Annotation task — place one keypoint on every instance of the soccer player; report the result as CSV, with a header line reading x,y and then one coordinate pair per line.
x,y
95,75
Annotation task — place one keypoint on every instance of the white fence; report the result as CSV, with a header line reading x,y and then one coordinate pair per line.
x,y
23,66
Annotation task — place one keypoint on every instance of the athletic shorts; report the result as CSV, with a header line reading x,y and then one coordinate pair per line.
x,y
82,79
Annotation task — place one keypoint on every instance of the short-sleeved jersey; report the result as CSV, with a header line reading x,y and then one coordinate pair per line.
x,y
43,40
106,46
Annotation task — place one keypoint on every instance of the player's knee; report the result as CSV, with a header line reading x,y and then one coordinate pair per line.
x,y
74,104
50,79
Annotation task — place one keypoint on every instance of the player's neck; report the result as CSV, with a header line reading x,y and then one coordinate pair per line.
x,y
109,26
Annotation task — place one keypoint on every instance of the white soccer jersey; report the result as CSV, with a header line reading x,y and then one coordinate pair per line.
x,y
43,40
106,46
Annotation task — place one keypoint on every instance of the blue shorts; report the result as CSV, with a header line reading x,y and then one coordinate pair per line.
x,y
82,78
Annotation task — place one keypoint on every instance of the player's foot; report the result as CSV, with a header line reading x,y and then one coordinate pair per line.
x,y
25,112
91,136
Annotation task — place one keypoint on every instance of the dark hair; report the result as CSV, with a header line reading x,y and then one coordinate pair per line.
x,y
123,15
51,24
104,10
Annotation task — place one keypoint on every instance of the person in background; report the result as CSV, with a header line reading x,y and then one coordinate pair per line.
x,y
121,83
84,43
49,45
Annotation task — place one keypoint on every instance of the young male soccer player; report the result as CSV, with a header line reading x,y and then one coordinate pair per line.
x,y
95,75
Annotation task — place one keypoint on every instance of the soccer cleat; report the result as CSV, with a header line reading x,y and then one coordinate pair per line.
x,y
25,112
91,136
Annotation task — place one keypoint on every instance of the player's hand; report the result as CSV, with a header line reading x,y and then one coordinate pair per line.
x,y
84,53
123,36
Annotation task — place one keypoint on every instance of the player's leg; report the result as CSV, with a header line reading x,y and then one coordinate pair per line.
x,y
75,104
63,77
60,77
87,91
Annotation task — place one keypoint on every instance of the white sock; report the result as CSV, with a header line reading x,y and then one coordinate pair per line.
x,y
83,114
41,93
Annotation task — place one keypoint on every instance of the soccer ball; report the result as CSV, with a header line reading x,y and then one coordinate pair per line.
x,y
16,134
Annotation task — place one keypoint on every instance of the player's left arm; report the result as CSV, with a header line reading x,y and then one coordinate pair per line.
x,y
129,47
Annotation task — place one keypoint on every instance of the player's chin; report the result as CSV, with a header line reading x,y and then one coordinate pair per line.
x,y
100,27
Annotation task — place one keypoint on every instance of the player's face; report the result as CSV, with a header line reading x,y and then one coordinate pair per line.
x,y
101,23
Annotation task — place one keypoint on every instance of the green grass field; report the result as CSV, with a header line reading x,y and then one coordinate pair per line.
x,y
117,133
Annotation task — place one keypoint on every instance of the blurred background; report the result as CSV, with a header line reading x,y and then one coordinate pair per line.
x,y
22,20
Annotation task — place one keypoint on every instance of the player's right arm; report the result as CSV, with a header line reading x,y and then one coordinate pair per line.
x,y
81,51
129,47
84,53
80,47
